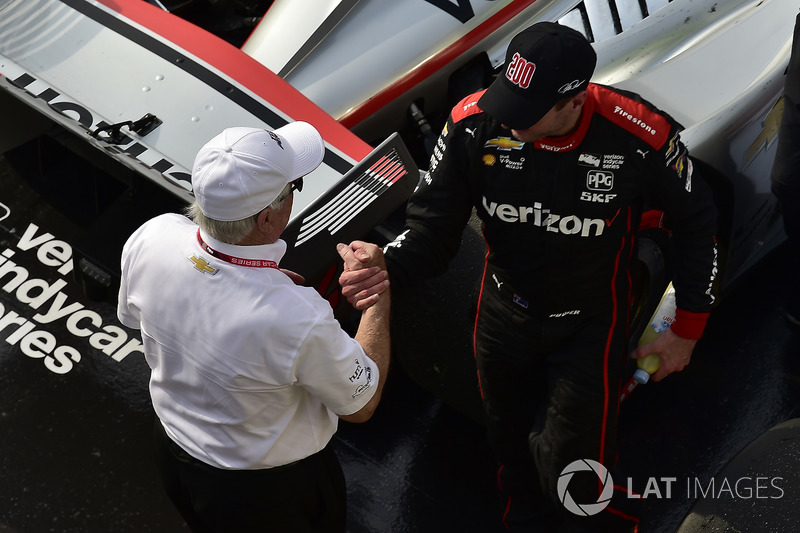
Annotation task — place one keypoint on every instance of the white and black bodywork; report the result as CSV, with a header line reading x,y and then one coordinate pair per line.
x,y
138,86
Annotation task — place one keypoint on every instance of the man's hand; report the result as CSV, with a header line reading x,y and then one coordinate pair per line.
x,y
674,352
363,280
364,277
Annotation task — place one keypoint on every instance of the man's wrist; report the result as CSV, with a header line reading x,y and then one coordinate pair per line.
x,y
688,324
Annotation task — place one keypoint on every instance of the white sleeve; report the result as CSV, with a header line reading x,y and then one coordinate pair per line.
x,y
127,313
333,367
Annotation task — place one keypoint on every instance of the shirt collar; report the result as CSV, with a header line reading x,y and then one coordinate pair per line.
x,y
273,252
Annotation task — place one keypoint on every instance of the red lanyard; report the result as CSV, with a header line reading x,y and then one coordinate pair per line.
x,y
257,263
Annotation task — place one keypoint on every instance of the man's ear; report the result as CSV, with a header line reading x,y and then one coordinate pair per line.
x,y
579,99
263,219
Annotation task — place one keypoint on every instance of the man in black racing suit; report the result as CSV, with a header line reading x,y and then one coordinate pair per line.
x,y
561,202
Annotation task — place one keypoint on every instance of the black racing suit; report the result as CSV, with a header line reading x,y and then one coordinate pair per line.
x,y
560,219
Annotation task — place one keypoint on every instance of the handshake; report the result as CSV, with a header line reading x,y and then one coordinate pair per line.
x,y
364,277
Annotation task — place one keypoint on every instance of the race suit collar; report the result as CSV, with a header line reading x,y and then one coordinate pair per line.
x,y
572,140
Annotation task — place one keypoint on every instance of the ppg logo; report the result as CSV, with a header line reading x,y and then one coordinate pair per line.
x,y
600,180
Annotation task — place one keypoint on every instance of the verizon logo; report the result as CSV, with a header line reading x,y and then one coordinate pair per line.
x,y
536,215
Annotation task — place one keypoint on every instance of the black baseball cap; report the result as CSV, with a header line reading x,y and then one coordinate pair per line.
x,y
544,63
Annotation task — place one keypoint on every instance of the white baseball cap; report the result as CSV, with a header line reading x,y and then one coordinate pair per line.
x,y
243,170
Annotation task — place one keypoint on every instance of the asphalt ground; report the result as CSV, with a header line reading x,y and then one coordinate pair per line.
x,y
76,419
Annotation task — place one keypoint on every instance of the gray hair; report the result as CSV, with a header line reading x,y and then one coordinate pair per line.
x,y
233,231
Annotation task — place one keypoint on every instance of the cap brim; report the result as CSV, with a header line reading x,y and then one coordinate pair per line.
x,y
306,143
511,109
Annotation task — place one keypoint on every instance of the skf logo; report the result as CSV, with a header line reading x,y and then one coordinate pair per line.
x,y
597,197
506,144
600,180
202,265
489,160
520,71
589,160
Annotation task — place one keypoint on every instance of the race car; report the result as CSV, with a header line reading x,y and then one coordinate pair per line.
x,y
130,89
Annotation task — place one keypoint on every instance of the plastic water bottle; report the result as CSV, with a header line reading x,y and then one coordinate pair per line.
x,y
662,319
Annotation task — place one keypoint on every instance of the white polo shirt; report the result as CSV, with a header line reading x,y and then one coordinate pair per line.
x,y
249,370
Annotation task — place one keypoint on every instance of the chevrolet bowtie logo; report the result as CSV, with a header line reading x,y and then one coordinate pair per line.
x,y
504,143
202,265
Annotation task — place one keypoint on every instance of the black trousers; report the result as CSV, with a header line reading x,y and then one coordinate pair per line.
x,y
303,497
550,388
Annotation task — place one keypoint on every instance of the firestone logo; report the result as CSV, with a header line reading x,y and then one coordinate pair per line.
x,y
635,120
